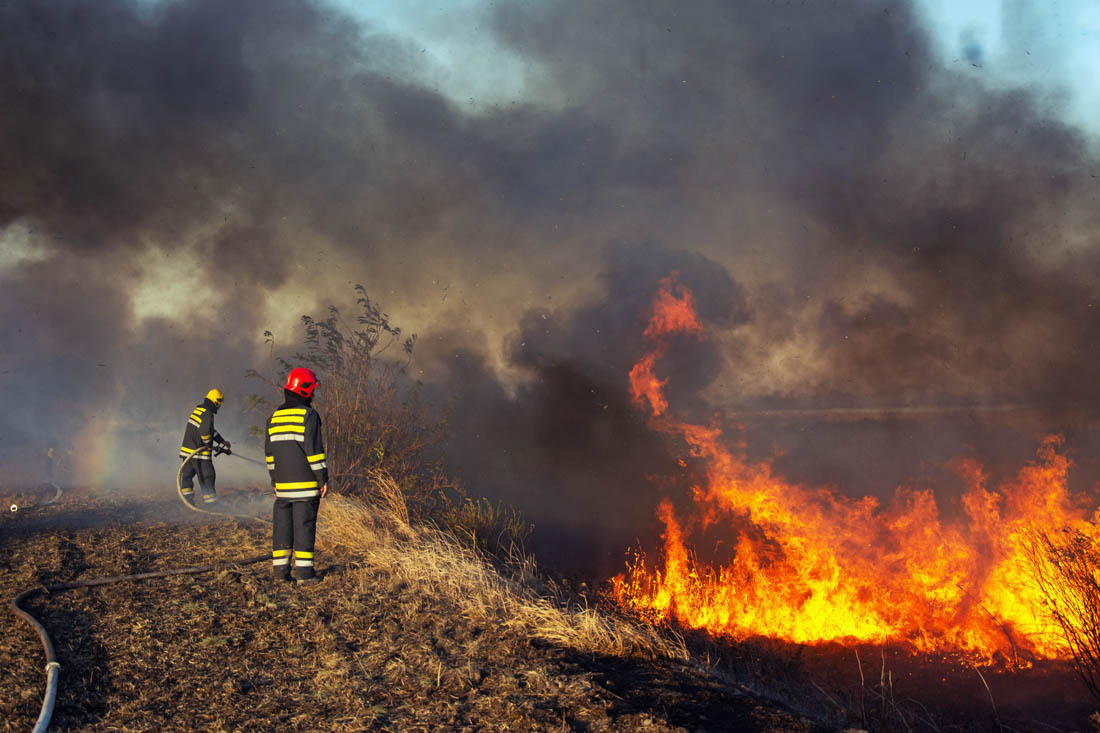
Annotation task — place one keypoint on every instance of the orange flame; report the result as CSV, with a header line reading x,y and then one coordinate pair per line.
x,y
673,312
810,565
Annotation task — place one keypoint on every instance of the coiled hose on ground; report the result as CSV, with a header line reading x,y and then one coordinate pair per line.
x,y
53,668
57,495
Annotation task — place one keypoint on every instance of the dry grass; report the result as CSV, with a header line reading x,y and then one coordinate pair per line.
x,y
410,629
436,562
493,528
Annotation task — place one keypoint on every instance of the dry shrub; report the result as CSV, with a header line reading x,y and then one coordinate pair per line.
x,y
495,529
1065,571
374,422
446,567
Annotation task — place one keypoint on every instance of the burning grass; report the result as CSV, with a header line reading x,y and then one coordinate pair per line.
x,y
812,565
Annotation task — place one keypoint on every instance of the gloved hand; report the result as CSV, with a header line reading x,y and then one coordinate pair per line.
x,y
225,448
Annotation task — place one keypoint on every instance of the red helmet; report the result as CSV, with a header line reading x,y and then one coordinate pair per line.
x,y
301,381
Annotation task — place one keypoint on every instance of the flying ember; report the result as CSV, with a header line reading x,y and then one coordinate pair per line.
x,y
811,565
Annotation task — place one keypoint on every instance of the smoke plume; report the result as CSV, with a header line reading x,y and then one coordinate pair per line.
x,y
894,262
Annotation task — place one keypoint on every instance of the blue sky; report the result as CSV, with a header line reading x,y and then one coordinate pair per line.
x,y
1050,45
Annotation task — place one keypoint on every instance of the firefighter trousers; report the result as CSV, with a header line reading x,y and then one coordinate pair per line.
x,y
293,531
205,471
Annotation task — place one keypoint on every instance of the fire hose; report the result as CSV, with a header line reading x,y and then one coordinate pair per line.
x,y
51,500
53,667
179,486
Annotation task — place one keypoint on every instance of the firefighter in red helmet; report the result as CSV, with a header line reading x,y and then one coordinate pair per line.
x,y
299,474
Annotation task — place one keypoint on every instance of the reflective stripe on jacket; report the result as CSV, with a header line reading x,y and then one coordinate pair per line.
x,y
200,434
294,451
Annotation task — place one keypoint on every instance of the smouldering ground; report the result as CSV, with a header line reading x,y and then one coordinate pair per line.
x,y
396,637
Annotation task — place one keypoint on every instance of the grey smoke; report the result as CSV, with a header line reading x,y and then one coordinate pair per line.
x,y
863,229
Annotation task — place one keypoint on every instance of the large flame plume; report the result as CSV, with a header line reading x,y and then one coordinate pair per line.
x,y
810,565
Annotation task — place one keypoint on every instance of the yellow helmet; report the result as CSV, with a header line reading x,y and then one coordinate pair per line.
x,y
215,396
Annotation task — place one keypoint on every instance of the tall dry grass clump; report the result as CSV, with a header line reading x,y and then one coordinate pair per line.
x,y
374,421
447,567
495,529
1065,569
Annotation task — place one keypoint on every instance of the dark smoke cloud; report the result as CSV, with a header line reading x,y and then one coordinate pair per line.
x,y
952,191
863,228
567,444
232,145
943,257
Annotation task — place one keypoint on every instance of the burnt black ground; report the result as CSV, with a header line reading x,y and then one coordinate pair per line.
x,y
361,650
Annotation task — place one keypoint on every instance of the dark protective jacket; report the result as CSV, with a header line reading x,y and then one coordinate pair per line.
x,y
200,434
294,449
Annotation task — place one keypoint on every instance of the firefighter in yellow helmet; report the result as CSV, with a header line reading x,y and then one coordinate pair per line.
x,y
199,437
